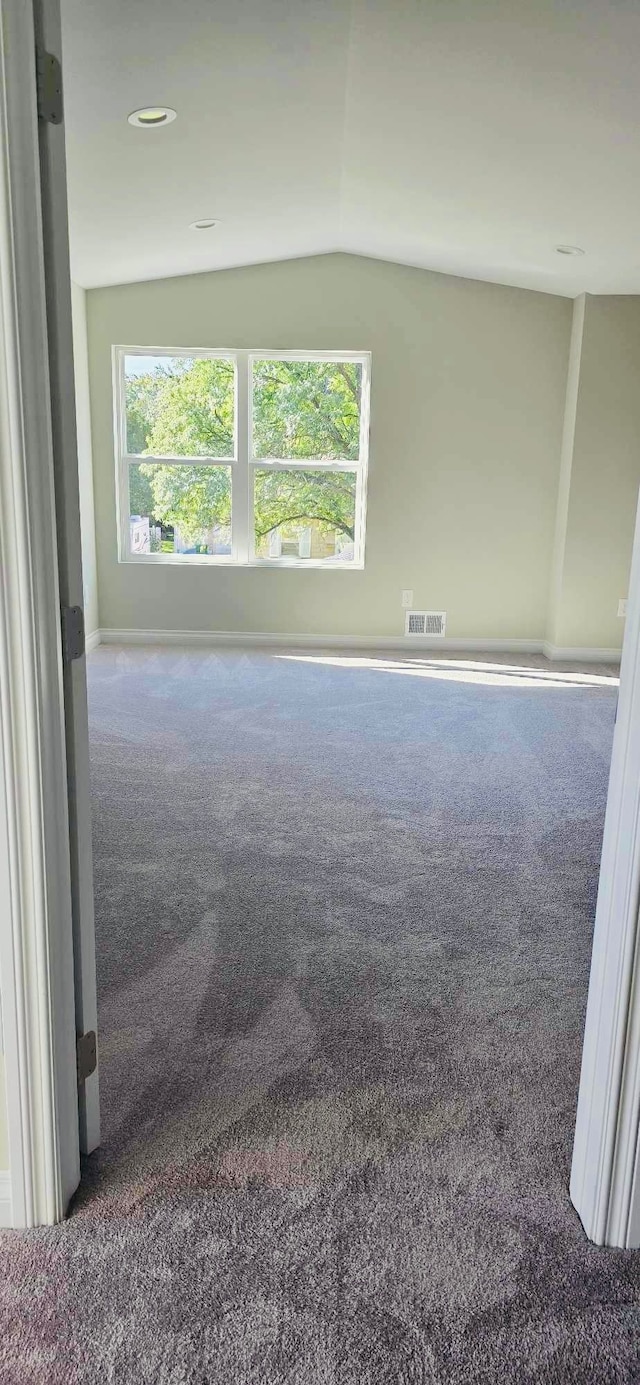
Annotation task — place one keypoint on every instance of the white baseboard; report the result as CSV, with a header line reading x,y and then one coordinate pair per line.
x,y
93,640
299,641
569,653
6,1214
581,654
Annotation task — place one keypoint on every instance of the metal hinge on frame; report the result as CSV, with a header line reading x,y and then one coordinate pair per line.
x,y
86,1055
49,87
72,633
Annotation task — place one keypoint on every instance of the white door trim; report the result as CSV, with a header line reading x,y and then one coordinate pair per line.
x,y
36,957
605,1186
53,184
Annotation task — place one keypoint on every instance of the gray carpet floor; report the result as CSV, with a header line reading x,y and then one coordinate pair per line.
x,y
344,915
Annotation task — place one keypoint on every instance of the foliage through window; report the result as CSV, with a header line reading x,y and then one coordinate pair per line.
x,y
280,480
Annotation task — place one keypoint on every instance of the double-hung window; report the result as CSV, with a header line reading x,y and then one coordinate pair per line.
x,y
242,457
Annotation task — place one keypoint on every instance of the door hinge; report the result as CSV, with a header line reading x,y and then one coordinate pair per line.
x,y
72,633
49,87
86,1055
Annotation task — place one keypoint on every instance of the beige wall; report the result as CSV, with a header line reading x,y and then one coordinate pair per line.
x,y
4,1142
468,388
85,466
4,1134
604,475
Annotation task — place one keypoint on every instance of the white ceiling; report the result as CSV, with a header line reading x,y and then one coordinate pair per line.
x,y
468,136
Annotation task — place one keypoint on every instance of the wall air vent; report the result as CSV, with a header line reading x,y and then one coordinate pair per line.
x,y
431,623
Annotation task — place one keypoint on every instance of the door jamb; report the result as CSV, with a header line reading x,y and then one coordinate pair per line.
x,y
53,193
605,1176
36,953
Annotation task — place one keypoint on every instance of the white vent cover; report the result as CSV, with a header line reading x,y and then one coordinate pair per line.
x,y
425,623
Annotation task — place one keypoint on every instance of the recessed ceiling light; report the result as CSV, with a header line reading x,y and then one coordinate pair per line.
x,y
151,116
569,250
206,225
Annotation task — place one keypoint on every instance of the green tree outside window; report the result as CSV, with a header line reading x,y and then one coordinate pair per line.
x,y
301,409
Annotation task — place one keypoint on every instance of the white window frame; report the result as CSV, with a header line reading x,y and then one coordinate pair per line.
x,y
243,463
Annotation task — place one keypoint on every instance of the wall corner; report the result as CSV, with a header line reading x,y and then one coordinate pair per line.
x,y
554,608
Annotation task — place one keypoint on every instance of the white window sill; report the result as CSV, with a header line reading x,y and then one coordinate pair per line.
x,y
212,560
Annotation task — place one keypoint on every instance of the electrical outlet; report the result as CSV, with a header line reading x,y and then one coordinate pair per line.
x,y
622,607
407,600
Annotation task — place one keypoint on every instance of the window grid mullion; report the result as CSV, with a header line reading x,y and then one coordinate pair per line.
x,y
137,459
309,464
240,498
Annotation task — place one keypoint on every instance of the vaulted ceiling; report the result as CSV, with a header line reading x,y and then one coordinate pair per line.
x,y
467,136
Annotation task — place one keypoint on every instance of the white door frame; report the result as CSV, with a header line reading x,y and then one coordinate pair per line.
x,y
53,185
605,1177
36,950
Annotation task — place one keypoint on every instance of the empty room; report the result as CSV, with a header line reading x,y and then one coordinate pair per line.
x,y
320,1014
